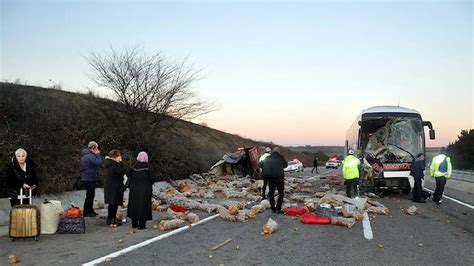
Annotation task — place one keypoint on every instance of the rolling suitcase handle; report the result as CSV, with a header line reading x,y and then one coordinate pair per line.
x,y
21,196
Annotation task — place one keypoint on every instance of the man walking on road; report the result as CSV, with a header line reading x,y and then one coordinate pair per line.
x,y
350,172
416,171
440,169
91,160
315,165
267,153
272,169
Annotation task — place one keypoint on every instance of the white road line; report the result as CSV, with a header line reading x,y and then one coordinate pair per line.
x,y
367,228
327,172
453,199
147,242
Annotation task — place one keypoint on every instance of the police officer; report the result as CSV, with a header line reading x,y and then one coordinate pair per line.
x,y
440,169
417,168
272,169
267,153
350,171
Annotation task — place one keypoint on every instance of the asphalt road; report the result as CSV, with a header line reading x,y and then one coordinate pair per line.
x,y
438,235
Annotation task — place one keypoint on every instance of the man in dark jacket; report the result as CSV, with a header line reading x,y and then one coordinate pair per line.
x,y
272,169
91,160
315,165
416,171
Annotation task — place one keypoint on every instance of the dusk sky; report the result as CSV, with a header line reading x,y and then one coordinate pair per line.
x,y
292,73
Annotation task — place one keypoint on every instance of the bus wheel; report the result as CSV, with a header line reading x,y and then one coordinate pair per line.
x,y
406,190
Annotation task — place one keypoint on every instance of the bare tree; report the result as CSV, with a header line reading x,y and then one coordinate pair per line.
x,y
154,92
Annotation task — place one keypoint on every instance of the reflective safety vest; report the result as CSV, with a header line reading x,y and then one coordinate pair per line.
x,y
265,155
350,167
441,166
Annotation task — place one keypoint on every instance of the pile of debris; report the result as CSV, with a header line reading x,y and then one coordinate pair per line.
x,y
232,196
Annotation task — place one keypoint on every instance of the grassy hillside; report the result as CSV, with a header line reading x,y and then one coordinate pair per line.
x,y
54,126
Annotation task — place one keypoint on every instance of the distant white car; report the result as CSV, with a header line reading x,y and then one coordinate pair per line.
x,y
294,166
332,164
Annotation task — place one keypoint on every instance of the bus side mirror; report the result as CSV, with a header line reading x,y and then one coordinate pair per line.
x,y
432,134
358,139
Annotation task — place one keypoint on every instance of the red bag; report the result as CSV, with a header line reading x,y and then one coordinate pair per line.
x,y
311,218
177,208
294,211
73,212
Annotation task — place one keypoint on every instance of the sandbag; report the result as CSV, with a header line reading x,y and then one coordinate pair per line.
x,y
311,218
326,210
348,222
50,213
378,210
270,227
294,211
170,224
192,217
177,208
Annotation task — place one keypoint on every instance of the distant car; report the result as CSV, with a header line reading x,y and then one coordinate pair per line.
x,y
332,164
294,166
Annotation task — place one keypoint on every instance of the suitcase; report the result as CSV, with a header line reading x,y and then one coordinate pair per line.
x,y
71,225
24,220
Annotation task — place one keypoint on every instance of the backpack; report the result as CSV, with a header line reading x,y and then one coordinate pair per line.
x,y
443,166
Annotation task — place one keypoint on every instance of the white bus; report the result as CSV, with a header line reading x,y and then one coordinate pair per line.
x,y
387,139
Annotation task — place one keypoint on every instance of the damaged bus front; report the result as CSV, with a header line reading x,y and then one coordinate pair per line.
x,y
387,139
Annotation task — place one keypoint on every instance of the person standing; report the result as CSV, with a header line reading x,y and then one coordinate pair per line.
x,y
315,165
141,185
267,153
91,160
417,168
114,187
350,172
440,169
272,169
20,173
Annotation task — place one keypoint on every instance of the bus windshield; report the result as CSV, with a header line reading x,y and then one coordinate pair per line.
x,y
392,140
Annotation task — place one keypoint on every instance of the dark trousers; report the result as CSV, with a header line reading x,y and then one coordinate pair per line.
x,y
280,186
417,189
264,188
351,187
112,211
315,167
90,194
137,223
438,194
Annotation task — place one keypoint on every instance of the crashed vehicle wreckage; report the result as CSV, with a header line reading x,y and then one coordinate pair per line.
x,y
387,139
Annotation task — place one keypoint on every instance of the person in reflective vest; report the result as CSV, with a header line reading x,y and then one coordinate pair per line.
x,y
267,153
350,172
440,169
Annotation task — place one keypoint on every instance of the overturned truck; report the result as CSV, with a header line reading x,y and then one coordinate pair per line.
x,y
387,139
242,162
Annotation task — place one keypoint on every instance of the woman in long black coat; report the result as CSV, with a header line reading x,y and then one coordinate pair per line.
x,y
20,173
114,187
141,185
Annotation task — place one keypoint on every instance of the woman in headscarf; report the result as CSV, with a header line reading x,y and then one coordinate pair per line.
x,y
20,174
141,183
114,187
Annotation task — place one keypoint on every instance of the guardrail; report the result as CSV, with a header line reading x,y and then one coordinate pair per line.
x,y
467,176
